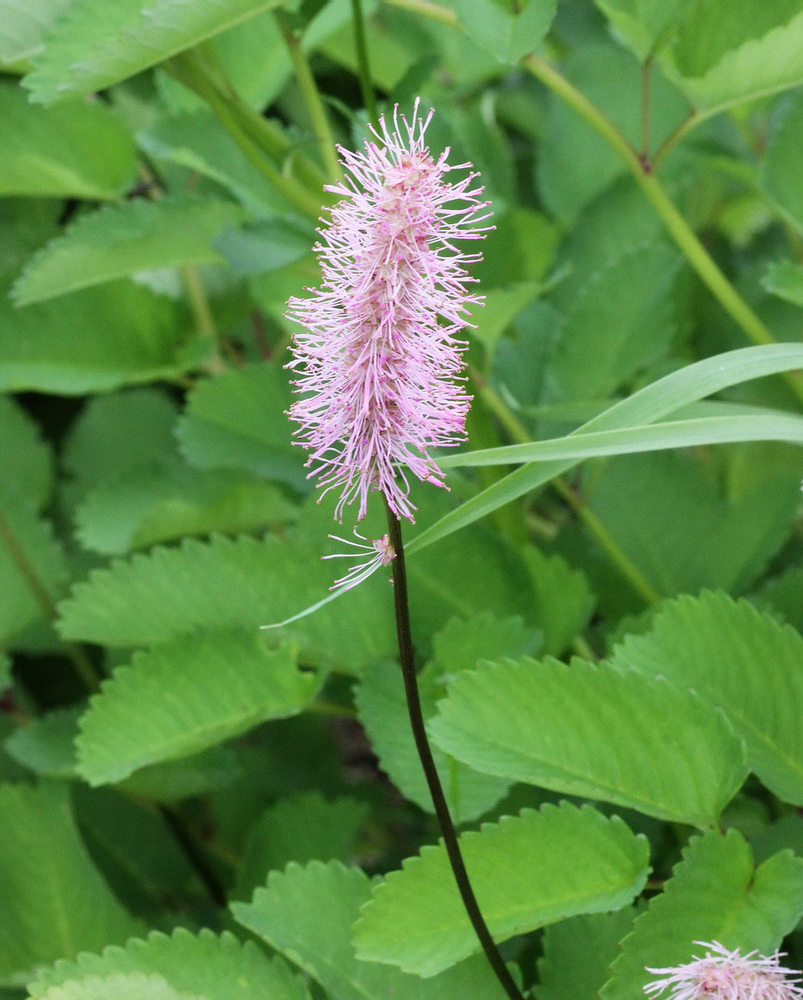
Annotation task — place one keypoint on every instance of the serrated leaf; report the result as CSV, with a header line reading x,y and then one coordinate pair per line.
x,y
169,500
563,599
383,713
94,44
460,645
45,745
23,25
727,53
220,967
644,24
119,240
183,697
715,894
307,914
576,861
781,173
237,421
577,953
27,545
783,596
594,732
54,902
507,31
265,246
118,986
77,151
301,828
741,660
223,584
188,777
117,433
25,459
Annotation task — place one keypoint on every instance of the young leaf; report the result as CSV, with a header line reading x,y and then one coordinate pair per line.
x,y
563,599
307,914
77,151
119,240
94,44
237,421
224,584
577,953
576,861
741,660
185,696
781,174
301,829
219,967
727,53
54,902
715,894
594,732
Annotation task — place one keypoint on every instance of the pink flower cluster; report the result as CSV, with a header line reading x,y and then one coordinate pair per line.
x,y
727,975
378,359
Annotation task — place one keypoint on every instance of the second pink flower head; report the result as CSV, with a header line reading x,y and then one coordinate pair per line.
x,y
379,359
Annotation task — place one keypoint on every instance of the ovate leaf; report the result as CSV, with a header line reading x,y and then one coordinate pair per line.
x,y
307,914
715,894
781,175
79,150
54,902
94,44
218,967
594,732
119,240
576,861
739,659
185,696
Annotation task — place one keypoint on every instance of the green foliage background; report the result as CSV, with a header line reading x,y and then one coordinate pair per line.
x,y
606,605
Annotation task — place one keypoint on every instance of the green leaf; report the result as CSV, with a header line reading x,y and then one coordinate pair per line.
x,y
563,599
221,968
594,732
118,986
265,246
383,713
225,584
45,745
504,29
672,521
460,645
186,778
741,660
94,44
27,546
576,861
577,953
715,894
307,914
5,672
783,596
25,459
501,306
784,278
644,24
633,299
22,26
781,173
118,433
237,421
169,500
727,53
185,696
80,150
647,405
119,240
301,829
54,902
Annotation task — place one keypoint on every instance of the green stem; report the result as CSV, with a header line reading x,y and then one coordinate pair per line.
x,y
83,666
191,72
202,313
417,724
363,66
607,542
693,118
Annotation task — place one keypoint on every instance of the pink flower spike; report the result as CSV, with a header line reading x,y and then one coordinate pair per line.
x,y
378,358
727,975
